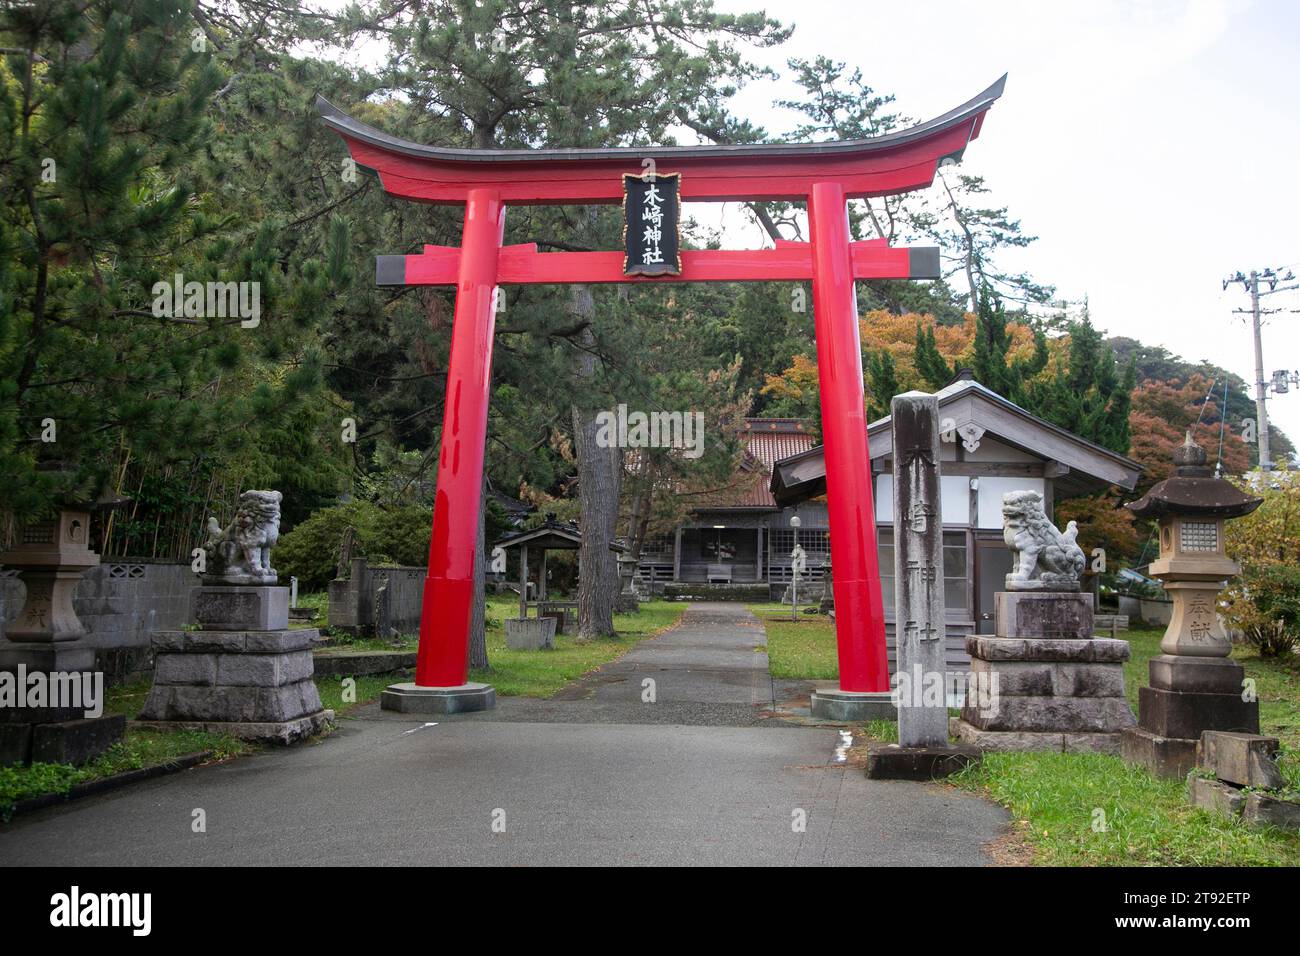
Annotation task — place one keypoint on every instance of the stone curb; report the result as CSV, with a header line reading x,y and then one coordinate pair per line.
x,y
363,663
127,777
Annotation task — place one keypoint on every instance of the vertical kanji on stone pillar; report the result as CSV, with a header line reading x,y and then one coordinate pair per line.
x,y
918,575
859,616
449,589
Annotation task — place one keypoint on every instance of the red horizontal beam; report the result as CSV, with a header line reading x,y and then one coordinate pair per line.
x,y
524,265
714,179
892,163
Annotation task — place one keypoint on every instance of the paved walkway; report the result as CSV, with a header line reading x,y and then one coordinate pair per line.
x,y
704,775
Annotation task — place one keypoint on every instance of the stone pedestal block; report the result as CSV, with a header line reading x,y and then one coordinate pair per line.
x,y
1163,756
1248,760
408,698
249,680
76,741
1051,693
63,657
1187,696
1214,796
1043,614
895,762
1187,714
1213,675
850,707
240,608
530,633
57,731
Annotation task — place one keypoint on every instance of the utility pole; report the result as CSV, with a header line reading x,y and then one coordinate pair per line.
x,y
1251,284
1261,406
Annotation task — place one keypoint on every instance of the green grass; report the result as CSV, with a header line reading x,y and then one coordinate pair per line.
x,y
367,689
1096,810
1148,820
543,673
139,748
798,651
319,601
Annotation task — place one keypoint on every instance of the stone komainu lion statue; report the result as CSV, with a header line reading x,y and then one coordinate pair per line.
x,y
1042,554
242,552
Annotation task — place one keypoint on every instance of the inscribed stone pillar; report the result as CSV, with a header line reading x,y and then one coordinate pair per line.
x,y
918,583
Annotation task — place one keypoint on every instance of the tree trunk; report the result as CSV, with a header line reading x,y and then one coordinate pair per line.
x,y
599,473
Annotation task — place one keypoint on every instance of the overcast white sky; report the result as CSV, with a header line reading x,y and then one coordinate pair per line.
x,y
1151,146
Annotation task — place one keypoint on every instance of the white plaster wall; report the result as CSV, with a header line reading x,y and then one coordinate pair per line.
x,y
991,492
954,500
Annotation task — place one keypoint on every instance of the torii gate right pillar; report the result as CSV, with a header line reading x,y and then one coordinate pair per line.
x,y
859,615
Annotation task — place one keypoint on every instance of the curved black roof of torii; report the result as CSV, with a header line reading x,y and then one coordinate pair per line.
x,y
352,128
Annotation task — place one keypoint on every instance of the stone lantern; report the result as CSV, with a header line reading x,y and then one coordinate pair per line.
x,y
51,557
47,639
1194,686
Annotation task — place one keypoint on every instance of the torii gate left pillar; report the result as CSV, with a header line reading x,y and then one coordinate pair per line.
x,y
824,176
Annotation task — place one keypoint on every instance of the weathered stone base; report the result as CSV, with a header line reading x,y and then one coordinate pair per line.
x,y
1215,796
254,684
76,741
1188,714
63,741
360,663
1023,740
896,762
275,732
1054,693
1234,776
407,698
1163,756
1187,697
1044,614
851,706
530,633
50,734
240,608
1265,810
47,656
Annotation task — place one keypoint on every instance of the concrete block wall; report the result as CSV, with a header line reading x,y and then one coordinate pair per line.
x,y
121,601
352,601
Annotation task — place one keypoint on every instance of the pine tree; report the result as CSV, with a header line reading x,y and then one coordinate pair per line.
x,y
990,362
882,382
930,364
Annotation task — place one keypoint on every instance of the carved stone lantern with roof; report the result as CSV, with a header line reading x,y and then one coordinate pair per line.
x,y
1194,686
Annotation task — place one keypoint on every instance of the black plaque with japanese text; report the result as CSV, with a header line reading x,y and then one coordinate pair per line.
x,y
652,209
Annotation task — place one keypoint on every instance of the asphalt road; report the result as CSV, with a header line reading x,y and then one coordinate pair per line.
x,y
707,773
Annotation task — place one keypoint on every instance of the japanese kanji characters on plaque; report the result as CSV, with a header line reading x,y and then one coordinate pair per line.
x,y
652,209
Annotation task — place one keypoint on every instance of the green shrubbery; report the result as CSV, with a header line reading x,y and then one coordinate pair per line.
x,y
1266,607
1264,602
392,535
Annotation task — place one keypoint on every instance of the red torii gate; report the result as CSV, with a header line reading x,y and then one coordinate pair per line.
x,y
824,175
